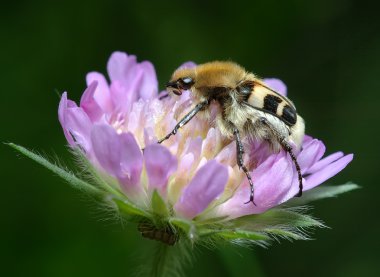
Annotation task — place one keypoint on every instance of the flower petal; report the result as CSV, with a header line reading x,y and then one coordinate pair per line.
x,y
327,172
131,159
207,184
102,94
64,104
149,85
273,179
122,98
79,125
310,154
276,84
107,148
324,162
306,139
120,66
273,185
89,104
76,124
160,164
182,177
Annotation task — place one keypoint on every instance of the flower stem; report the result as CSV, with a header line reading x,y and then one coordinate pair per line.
x,y
169,260
159,267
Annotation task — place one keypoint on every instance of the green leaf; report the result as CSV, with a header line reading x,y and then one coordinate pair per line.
x,y
159,206
320,193
186,226
130,209
66,175
276,217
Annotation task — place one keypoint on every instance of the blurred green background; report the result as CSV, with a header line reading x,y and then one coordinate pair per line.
x,y
327,52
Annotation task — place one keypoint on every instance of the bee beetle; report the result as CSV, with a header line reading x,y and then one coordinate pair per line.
x,y
248,108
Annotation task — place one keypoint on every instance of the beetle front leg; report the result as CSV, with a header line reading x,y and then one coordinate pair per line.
x,y
186,119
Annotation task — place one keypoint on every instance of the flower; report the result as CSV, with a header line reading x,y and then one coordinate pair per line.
x,y
191,178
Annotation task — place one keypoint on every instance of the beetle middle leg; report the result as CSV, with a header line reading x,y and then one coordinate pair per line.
x,y
240,162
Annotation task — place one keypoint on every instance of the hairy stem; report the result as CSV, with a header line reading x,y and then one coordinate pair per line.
x,y
160,267
169,260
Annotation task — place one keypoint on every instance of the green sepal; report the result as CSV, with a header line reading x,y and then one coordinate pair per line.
x,y
129,209
186,226
64,174
241,234
320,193
158,205
289,218
286,234
211,220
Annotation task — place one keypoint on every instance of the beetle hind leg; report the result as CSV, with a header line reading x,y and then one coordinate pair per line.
x,y
288,148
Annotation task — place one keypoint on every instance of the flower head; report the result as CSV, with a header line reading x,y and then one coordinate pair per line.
x,y
191,179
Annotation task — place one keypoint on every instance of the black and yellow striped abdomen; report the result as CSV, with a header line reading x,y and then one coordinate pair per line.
x,y
269,101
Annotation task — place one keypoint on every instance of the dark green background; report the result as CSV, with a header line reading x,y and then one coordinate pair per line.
x,y
327,52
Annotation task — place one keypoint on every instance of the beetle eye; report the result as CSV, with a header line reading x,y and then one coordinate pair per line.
x,y
186,82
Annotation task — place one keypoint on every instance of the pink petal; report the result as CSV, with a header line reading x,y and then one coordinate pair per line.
x,y
207,184
327,172
259,151
78,124
324,162
125,69
159,164
102,94
131,159
273,181
149,85
134,79
149,136
107,148
307,139
226,155
274,184
120,66
186,163
64,104
75,123
310,154
122,99
195,146
276,84
89,104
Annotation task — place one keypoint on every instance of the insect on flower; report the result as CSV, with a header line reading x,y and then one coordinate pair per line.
x,y
247,109
192,187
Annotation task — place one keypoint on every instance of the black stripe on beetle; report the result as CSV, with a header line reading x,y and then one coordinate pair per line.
x,y
245,89
271,103
289,115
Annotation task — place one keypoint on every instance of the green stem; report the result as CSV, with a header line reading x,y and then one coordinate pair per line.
x,y
169,260
160,260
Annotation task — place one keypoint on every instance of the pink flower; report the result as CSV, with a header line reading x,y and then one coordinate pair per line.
x,y
195,171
